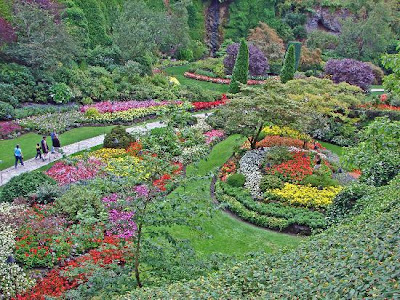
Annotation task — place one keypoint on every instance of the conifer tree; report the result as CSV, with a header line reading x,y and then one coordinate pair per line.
x,y
241,69
289,66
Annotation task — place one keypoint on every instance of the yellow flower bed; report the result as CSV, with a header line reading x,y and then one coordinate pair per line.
x,y
307,195
127,166
174,81
105,154
286,132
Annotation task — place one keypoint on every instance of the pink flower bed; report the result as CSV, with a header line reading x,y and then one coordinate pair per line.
x,y
213,135
108,106
219,80
7,128
83,170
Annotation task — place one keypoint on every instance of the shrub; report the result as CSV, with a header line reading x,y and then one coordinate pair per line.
x,y
322,40
310,59
345,201
289,65
317,180
277,155
6,111
23,185
236,180
61,93
378,73
241,69
185,54
257,62
92,112
117,138
269,182
351,71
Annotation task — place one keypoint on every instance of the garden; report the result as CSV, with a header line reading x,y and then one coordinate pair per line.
x,y
249,149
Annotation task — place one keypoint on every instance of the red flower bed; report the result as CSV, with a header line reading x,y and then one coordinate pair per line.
x,y
276,140
294,170
227,169
208,105
56,282
65,174
7,128
219,80
380,107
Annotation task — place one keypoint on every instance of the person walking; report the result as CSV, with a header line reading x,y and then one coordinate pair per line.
x,y
18,156
38,151
56,142
45,148
52,135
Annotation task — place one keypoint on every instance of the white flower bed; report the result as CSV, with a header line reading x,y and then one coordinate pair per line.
x,y
250,167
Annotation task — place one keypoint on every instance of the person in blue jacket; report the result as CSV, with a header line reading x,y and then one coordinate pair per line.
x,y
18,156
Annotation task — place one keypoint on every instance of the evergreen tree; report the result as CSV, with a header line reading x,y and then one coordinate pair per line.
x,y
289,66
241,69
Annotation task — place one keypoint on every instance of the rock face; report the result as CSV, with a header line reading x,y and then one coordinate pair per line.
x,y
324,18
216,15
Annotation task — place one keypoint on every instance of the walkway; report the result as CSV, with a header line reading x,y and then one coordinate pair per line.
x,y
32,164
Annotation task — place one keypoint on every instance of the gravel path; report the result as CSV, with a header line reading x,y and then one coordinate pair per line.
x,y
32,164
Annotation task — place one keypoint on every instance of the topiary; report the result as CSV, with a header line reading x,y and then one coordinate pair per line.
x,y
289,65
236,180
117,138
241,69
6,111
24,184
269,182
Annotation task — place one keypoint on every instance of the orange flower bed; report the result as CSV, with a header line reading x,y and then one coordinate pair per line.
x,y
275,140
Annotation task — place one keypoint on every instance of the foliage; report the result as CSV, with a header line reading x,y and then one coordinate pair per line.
x,y
378,74
377,158
390,82
22,185
289,65
269,182
117,138
277,155
351,71
241,68
319,39
7,34
268,41
257,62
310,59
236,180
61,93
6,111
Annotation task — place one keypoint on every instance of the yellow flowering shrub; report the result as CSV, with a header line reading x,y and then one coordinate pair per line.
x,y
127,166
174,81
105,154
286,132
306,195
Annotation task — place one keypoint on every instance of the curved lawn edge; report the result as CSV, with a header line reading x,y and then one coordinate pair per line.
x,y
221,233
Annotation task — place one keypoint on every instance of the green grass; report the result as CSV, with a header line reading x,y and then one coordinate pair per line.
x,y
180,70
334,148
220,232
28,142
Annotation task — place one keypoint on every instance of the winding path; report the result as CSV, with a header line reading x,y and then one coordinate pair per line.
x,y
33,164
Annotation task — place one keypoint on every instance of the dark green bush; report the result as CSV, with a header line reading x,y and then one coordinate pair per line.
x,y
117,138
162,141
320,180
277,155
6,111
24,184
289,65
236,180
270,182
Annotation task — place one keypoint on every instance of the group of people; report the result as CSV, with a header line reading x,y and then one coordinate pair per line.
x,y
42,149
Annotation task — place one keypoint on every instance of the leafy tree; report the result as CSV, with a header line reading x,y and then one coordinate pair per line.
x,y
391,81
258,63
310,59
288,69
43,41
247,113
241,69
378,153
351,71
268,41
7,34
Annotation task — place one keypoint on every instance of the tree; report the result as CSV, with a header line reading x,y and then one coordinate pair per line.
x,y
378,153
288,69
391,81
241,69
42,39
268,41
247,113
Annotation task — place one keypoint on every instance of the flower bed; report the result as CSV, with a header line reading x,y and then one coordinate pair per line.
x,y
213,136
380,107
274,140
9,129
294,170
219,80
110,107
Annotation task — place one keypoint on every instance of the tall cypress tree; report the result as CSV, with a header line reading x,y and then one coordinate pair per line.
x,y
289,66
241,68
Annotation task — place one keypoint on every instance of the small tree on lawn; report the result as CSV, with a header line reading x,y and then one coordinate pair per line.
x,y
241,69
289,66
247,113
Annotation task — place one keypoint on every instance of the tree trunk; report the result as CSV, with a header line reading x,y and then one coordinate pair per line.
x,y
137,255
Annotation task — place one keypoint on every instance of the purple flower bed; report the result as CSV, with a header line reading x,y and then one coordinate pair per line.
x,y
108,106
8,128
351,71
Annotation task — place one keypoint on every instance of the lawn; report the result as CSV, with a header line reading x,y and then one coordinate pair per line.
x,y
28,142
220,232
334,148
180,70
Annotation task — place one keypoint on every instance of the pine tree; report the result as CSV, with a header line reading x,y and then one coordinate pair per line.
x,y
289,66
241,69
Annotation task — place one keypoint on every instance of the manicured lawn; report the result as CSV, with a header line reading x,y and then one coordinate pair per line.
x,y
28,142
180,70
220,232
334,148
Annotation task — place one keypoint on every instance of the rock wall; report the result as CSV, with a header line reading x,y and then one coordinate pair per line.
x,y
324,18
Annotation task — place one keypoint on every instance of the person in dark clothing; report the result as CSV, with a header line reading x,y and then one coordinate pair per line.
x,y
38,151
45,148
